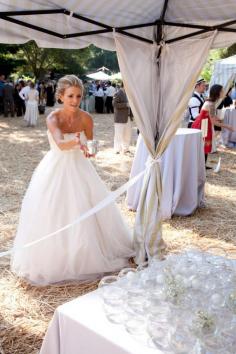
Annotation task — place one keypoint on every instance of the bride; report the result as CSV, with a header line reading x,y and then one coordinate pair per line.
x,y
64,186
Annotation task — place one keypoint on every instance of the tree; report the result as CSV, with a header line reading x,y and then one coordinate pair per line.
x,y
8,59
100,57
207,70
41,60
228,52
30,60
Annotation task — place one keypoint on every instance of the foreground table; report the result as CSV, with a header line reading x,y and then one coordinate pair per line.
x,y
183,174
81,327
228,137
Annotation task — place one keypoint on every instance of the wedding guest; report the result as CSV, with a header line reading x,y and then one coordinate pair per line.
x,y
42,93
24,91
208,113
50,100
110,92
85,98
2,83
122,134
8,98
31,114
99,103
196,101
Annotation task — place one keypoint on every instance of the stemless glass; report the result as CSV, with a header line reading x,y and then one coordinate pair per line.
x,y
181,341
126,272
160,334
142,266
113,295
108,280
136,325
115,314
92,146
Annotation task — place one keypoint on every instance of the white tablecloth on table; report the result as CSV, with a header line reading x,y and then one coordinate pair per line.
x,y
183,173
228,137
81,327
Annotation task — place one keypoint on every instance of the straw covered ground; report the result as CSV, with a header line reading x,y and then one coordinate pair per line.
x,y
25,311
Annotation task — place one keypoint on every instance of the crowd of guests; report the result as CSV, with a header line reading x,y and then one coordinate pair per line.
x,y
98,96
14,97
203,111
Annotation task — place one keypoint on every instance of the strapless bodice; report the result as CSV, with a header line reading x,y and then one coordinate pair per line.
x,y
67,137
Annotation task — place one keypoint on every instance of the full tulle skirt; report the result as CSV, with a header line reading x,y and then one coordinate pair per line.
x,y
63,187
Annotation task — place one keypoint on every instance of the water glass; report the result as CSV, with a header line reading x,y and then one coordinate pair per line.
x,y
92,146
108,280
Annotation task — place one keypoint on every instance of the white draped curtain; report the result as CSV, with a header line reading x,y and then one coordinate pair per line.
x,y
158,90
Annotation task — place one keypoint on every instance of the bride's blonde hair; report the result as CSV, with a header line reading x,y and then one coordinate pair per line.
x,y
68,81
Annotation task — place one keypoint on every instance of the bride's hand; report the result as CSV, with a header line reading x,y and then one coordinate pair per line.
x,y
77,139
85,150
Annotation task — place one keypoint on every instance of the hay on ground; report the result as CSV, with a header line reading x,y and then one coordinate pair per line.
x,y
25,311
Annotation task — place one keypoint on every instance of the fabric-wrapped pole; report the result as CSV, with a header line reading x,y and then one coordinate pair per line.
x,y
158,92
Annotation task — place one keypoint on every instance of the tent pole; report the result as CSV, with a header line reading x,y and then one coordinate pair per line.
x,y
24,24
200,32
190,25
134,36
88,33
85,19
31,12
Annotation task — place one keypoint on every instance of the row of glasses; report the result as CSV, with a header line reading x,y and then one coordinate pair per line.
x,y
182,303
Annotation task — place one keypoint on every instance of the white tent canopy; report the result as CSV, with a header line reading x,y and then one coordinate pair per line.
x,y
76,24
224,70
99,75
161,46
116,76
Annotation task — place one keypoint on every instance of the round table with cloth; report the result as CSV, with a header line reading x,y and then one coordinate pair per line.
x,y
228,137
183,173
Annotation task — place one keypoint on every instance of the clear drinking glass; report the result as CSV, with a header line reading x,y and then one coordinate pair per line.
x,y
136,325
108,280
92,146
127,272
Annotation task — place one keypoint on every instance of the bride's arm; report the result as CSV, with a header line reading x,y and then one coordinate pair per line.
x,y
88,125
58,137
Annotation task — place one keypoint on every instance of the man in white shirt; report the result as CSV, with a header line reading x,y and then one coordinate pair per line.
x,y
24,91
196,101
110,91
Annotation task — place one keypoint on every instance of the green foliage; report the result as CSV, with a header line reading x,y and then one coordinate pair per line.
x,y
30,60
228,52
41,60
9,61
207,70
100,57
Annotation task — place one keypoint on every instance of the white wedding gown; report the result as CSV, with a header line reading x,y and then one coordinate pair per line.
x,y
64,186
31,113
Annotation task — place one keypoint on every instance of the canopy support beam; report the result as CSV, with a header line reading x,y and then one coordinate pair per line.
x,y
106,28
28,25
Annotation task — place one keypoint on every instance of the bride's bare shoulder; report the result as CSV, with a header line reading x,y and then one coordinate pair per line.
x,y
53,117
86,118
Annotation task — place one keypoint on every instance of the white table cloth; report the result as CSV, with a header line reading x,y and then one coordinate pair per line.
x,y
228,137
183,173
81,327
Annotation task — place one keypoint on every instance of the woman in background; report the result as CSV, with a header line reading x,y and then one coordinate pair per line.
x,y
31,113
208,112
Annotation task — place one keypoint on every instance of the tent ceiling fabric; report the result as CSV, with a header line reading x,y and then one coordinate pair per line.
x,y
113,14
